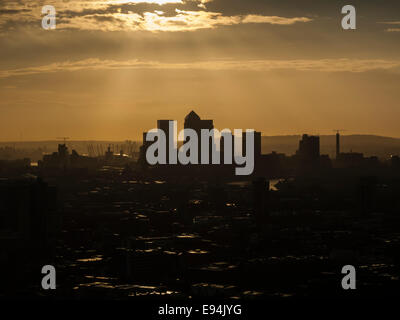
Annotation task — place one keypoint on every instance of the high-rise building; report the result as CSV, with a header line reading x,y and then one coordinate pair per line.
x,y
164,126
193,121
309,147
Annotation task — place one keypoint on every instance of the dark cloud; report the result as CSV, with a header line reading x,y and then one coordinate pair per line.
x,y
13,11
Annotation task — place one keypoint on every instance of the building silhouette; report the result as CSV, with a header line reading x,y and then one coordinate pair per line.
x,y
59,159
164,126
309,148
193,121
217,148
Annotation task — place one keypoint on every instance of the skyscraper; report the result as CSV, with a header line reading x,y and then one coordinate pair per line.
x,y
193,121
309,148
164,125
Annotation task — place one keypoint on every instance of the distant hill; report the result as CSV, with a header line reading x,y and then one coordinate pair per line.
x,y
367,144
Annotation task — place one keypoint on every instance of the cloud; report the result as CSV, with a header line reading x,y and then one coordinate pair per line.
x,y
393,23
393,30
124,15
274,19
390,22
202,3
157,21
322,65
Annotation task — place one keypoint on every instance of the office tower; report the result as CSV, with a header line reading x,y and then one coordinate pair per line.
x,y
164,125
309,147
193,121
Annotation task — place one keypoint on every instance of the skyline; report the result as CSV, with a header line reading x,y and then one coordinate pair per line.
x,y
112,67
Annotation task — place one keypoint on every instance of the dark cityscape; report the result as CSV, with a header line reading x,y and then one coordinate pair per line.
x,y
118,228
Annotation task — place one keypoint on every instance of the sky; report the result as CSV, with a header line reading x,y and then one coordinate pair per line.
x,y
110,69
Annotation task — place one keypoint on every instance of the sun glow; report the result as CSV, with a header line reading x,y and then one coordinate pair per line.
x,y
160,2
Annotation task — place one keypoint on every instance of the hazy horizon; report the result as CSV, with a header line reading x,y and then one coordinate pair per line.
x,y
140,139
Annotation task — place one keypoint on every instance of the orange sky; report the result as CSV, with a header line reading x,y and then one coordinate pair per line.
x,y
112,68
